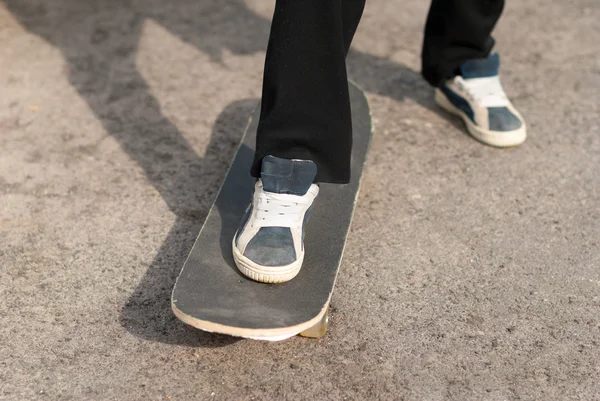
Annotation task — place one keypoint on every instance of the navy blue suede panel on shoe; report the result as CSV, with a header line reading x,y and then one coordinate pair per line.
x,y
244,221
272,246
501,119
284,176
481,68
458,102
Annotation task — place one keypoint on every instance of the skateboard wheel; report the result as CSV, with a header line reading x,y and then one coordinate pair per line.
x,y
319,329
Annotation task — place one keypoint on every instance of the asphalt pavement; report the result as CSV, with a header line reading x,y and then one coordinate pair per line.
x,y
471,273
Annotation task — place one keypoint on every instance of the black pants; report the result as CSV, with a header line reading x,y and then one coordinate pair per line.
x,y
305,103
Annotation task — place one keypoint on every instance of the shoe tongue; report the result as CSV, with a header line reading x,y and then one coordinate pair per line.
x,y
481,68
284,176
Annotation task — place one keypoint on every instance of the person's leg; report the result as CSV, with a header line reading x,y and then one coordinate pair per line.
x,y
305,110
457,31
304,134
352,11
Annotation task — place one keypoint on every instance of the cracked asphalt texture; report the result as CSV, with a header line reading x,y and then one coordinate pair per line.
x,y
471,273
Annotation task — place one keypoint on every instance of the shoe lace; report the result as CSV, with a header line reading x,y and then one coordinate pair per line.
x,y
280,210
487,92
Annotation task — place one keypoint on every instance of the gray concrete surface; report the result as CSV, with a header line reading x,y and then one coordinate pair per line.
x,y
471,273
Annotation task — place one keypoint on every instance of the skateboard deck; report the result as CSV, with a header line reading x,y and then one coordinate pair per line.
x,y
212,295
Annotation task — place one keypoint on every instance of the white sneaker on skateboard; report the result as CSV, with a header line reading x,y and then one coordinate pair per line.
x,y
269,244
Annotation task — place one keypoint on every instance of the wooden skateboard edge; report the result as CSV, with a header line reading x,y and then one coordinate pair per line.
x,y
276,334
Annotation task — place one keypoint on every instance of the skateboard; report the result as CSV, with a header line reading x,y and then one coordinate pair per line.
x,y
212,295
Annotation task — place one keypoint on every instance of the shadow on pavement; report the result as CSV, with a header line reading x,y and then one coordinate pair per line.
x,y
99,40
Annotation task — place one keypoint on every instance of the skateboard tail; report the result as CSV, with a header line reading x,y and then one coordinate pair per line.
x,y
266,334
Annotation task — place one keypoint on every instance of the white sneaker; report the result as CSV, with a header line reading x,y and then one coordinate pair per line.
x,y
478,98
269,245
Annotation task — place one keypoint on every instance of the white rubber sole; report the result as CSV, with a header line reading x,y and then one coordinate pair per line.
x,y
492,138
265,274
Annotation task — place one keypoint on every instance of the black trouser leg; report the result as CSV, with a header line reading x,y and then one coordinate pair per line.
x,y
457,31
305,110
